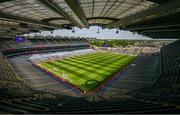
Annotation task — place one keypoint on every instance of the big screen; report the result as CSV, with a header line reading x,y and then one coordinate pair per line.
x,y
20,38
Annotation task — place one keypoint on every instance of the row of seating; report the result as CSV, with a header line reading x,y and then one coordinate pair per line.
x,y
27,51
132,50
9,44
28,102
16,95
166,89
30,46
170,65
8,77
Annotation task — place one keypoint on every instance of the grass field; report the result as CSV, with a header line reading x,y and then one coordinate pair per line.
x,y
87,72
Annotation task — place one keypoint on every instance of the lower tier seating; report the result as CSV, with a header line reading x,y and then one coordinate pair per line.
x,y
8,77
36,102
167,89
170,67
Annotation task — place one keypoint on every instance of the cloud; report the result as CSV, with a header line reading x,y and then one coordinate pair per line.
x,y
92,32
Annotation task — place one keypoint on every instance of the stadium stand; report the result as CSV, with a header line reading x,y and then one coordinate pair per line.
x,y
12,48
166,89
9,78
131,50
60,55
170,67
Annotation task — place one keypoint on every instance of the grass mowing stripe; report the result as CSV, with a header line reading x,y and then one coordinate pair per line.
x,y
70,66
89,55
76,74
80,68
97,58
86,63
91,70
50,68
94,57
96,66
71,71
99,61
88,71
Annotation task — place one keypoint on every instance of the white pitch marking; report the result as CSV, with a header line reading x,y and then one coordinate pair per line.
x,y
45,84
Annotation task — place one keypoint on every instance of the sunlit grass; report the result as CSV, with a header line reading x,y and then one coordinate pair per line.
x,y
87,72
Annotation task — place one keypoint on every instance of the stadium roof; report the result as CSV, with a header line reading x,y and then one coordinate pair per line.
x,y
153,18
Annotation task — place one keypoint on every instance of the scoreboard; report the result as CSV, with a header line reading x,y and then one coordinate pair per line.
x,y
20,38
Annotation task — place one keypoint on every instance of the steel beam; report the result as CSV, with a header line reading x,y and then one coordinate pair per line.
x,y
167,7
159,1
52,19
153,26
15,26
75,6
97,24
15,18
92,15
54,7
104,18
5,1
163,35
161,30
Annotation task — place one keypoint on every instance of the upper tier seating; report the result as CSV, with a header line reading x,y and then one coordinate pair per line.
x,y
10,47
45,42
131,50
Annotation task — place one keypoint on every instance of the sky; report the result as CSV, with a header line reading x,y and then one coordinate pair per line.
x,y
92,32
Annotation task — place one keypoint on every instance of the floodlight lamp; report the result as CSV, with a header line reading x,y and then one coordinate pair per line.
x,y
117,31
98,30
73,31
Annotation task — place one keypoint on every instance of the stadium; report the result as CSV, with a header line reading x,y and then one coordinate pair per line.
x,y
48,74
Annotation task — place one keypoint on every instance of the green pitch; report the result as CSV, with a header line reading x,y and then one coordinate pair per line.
x,y
87,72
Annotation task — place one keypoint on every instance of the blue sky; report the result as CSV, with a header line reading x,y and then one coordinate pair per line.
x,y
92,32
